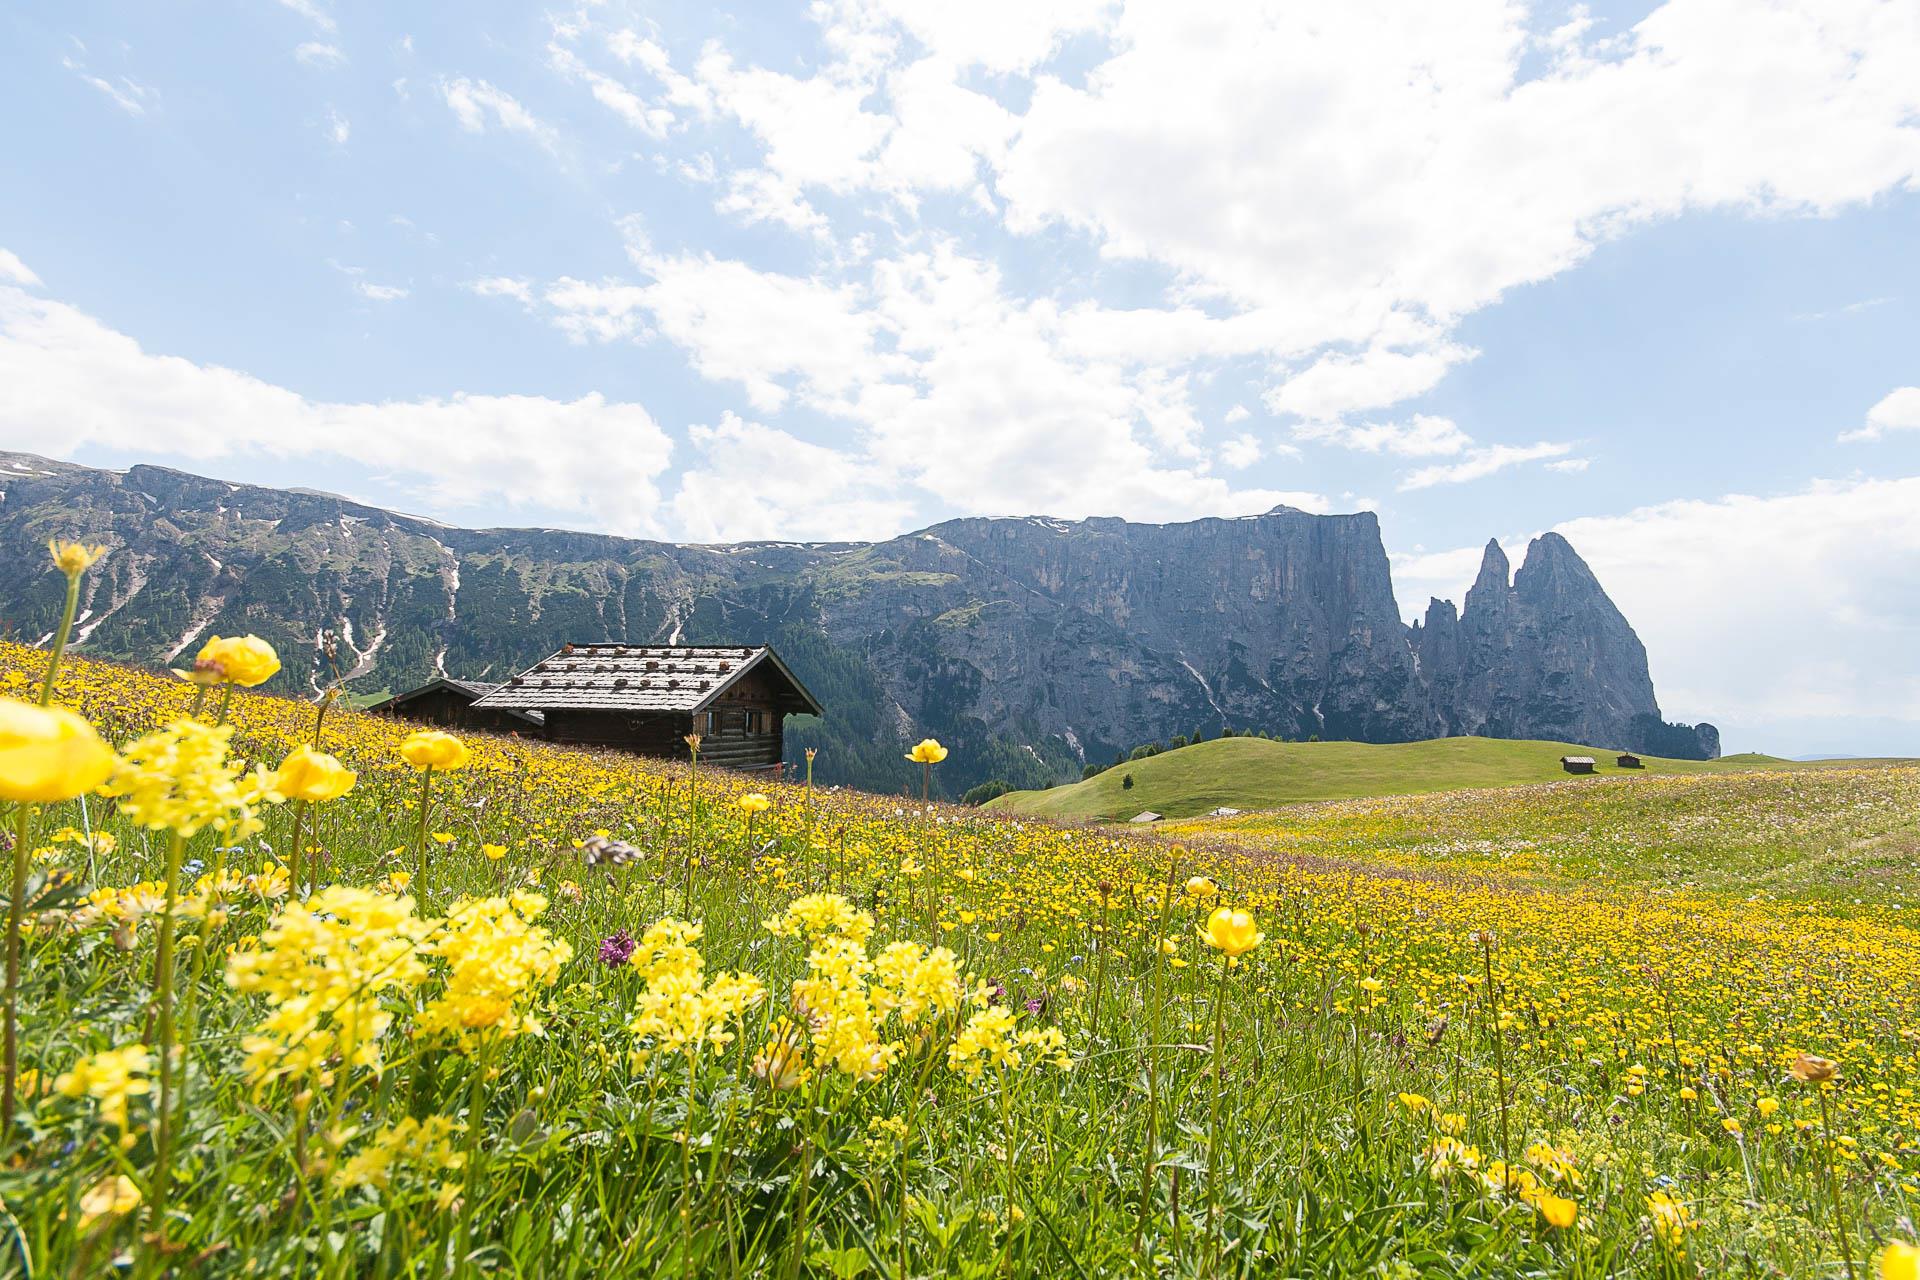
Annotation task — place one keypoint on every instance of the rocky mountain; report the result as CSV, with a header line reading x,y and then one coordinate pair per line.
x,y
1031,646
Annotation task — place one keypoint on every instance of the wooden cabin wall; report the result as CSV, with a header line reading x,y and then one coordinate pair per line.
x,y
450,709
660,734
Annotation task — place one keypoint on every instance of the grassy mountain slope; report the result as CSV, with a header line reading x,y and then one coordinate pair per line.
x,y
1254,773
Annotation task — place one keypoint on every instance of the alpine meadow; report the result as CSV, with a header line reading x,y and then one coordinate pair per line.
x,y
1014,640
293,990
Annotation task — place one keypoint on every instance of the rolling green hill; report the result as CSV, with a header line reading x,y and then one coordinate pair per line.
x,y
1254,773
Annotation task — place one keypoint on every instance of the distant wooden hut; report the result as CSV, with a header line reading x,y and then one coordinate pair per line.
x,y
1577,764
1627,760
448,703
648,698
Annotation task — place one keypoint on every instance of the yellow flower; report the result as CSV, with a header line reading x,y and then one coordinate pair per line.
x,y
1201,887
753,802
242,660
929,751
1731,1125
108,1198
48,754
111,1078
494,852
432,749
73,558
1900,1261
1767,1106
1233,932
313,776
178,779
1559,1211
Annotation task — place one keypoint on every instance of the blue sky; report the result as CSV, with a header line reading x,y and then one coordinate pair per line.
x,y
1644,273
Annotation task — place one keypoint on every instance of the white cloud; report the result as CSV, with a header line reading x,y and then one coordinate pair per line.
x,y
1757,612
503,287
1339,384
1242,451
380,292
339,128
14,271
474,102
1570,466
1239,413
317,54
650,119
1898,410
1480,463
1422,436
757,483
311,12
69,383
129,95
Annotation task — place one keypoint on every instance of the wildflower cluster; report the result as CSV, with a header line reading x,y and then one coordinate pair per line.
x,y
496,959
179,779
680,1011
323,966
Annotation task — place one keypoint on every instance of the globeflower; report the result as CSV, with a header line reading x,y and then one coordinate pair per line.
x,y
1232,932
1900,1261
73,558
313,776
927,753
432,749
1201,887
753,802
48,754
243,660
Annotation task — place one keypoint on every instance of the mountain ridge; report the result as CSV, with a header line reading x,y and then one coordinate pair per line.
x,y
1031,645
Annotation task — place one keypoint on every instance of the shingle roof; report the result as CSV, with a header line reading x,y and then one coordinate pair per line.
x,y
473,689
627,677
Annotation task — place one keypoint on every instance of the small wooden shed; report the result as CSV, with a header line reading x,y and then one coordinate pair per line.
x,y
1577,764
448,703
1627,760
648,698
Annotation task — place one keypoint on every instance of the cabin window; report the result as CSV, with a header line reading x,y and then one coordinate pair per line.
x,y
759,722
704,724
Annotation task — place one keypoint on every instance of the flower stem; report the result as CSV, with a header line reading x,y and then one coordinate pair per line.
x,y
163,999
294,850
1833,1183
1213,1120
60,639
420,839
16,906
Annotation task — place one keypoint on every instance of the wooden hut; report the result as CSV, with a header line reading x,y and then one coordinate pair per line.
x,y
1577,764
448,703
647,699
1627,760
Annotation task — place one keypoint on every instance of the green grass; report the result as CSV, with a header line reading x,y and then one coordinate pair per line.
x,y
1254,773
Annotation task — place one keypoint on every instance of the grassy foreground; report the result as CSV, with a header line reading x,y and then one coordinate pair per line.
x,y
1254,773
906,1041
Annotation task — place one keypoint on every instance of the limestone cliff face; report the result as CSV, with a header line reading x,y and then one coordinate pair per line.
x,y
1029,645
1546,655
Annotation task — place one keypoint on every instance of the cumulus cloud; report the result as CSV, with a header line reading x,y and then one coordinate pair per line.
x,y
755,483
1899,410
69,383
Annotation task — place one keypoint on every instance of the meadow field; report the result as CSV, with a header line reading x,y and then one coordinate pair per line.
x,y
541,1012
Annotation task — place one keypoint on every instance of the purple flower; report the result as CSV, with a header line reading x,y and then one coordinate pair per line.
x,y
1036,1005
614,951
996,993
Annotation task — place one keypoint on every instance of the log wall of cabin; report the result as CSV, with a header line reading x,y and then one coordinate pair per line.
x,y
655,733
450,709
